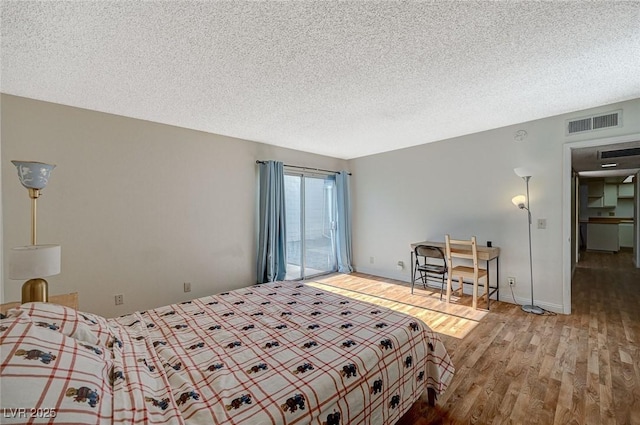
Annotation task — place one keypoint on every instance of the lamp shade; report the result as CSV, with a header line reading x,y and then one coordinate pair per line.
x,y
519,201
34,261
522,172
33,175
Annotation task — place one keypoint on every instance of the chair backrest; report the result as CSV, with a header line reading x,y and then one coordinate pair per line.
x,y
456,248
429,251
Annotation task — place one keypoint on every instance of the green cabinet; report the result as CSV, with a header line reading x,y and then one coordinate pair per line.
x,y
626,235
625,190
602,195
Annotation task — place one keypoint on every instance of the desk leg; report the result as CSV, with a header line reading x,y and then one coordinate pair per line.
x,y
488,286
498,278
497,281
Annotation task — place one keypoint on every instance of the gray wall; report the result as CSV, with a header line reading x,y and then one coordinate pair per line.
x,y
138,207
463,186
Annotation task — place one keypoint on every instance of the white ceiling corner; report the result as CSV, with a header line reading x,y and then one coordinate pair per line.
x,y
344,79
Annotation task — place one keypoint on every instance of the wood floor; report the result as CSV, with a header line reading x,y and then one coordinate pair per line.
x,y
518,368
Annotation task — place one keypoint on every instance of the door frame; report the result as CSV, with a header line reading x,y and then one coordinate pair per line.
x,y
567,229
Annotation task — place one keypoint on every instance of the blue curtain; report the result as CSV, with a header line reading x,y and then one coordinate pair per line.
x,y
272,244
343,225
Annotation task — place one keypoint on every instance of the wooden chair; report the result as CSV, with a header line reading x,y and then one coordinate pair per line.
x,y
458,249
67,300
429,264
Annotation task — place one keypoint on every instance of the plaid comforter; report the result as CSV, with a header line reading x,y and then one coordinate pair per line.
x,y
282,353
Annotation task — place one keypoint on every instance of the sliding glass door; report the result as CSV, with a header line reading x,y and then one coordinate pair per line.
x,y
310,205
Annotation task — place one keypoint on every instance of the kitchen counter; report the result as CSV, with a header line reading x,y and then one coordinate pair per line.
x,y
603,236
610,220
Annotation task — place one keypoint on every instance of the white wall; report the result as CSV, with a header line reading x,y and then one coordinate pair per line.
x,y
464,186
138,207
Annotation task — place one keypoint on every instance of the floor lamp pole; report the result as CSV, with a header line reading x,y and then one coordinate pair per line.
x,y
530,308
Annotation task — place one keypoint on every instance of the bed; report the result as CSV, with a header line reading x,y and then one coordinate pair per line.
x,y
277,353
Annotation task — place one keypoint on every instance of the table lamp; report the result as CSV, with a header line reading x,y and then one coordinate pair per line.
x,y
34,261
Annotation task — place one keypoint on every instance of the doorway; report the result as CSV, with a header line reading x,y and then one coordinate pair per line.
x,y
310,203
570,202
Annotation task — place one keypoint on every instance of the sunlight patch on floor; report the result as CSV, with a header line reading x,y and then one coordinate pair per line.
x,y
448,319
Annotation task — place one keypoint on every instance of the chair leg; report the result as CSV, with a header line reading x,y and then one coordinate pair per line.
x,y
414,272
475,294
442,288
461,282
449,284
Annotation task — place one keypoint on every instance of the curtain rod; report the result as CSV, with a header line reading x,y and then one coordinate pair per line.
x,y
304,168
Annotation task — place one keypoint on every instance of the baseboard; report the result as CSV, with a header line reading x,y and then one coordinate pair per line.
x,y
556,308
505,293
403,275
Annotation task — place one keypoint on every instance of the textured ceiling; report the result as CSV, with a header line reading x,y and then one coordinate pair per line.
x,y
344,79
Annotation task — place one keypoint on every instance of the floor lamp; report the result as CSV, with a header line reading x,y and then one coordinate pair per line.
x,y
522,202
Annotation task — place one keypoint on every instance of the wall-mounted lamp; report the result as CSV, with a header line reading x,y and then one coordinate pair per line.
x,y
34,261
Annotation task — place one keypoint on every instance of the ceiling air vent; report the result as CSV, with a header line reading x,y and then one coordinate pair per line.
x,y
594,122
604,121
577,126
619,153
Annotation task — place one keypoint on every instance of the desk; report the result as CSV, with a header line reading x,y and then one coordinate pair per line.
x,y
485,253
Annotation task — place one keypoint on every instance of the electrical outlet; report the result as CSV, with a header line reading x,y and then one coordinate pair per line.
x,y
512,281
400,265
542,223
119,299
371,260
187,287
